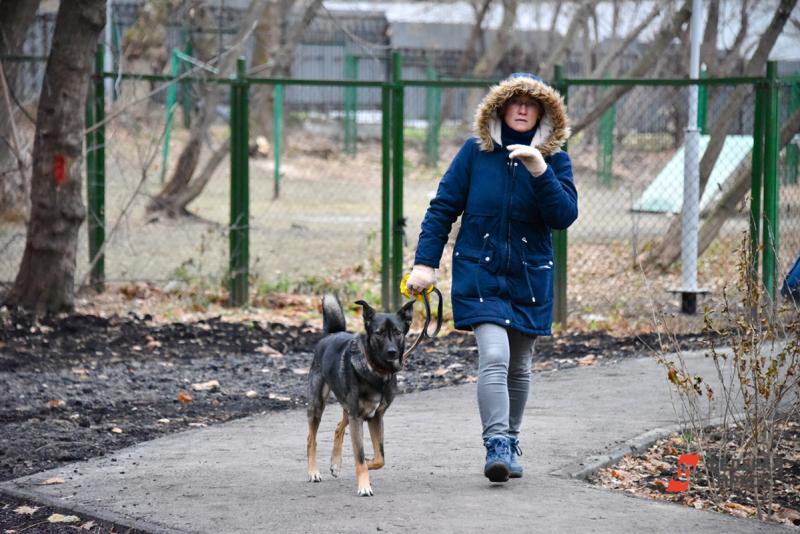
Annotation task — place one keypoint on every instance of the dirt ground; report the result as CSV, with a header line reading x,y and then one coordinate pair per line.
x,y
715,484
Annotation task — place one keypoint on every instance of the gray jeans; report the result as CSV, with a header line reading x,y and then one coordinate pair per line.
x,y
504,377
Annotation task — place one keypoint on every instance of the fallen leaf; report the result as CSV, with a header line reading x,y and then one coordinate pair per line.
x,y
542,366
740,510
251,394
275,396
89,525
589,359
116,430
55,403
197,424
164,421
269,351
26,510
59,518
184,397
301,370
211,385
470,379
788,514
51,481
441,371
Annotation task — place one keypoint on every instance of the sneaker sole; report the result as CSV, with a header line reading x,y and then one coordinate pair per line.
x,y
497,472
513,474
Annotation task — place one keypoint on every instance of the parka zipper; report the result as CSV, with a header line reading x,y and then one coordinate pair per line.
x,y
480,258
513,165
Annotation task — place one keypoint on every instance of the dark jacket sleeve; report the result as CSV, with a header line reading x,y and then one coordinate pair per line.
x,y
445,207
555,190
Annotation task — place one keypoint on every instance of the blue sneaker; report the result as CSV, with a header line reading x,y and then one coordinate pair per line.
x,y
498,458
514,467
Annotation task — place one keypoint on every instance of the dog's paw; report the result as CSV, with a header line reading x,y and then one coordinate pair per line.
x,y
314,477
335,470
366,491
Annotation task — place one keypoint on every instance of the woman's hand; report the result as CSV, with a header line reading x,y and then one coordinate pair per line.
x,y
421,278
530,157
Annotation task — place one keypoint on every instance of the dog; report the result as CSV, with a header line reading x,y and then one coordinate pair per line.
x,y
361,372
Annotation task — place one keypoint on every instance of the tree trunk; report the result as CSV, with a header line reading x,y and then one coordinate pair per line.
x,y
181,178
493,55
603,67
184,186
664,253
16,17
668,31
468,56
563,48
46,277
267,39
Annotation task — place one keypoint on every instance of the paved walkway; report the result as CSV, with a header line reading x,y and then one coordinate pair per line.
x,y
250,475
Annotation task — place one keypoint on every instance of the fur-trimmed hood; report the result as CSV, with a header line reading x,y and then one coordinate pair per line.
x,y
553,130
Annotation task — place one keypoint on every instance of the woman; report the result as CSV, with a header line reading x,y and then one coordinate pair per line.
x,y
503,257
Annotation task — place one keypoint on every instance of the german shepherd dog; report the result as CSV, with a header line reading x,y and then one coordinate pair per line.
x,y
361,372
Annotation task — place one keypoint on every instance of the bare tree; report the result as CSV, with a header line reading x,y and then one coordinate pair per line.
x,y
475,38
667,249
669,29
491,58
45,281
562,50
16,17
182,177
185,184
275,44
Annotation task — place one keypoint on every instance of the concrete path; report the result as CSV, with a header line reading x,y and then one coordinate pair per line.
x,y
250,475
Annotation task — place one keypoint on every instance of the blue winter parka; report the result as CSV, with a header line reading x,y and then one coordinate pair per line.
x,y
503,267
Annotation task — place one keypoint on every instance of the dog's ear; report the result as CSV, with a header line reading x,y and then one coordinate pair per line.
x,y
366,311
406,313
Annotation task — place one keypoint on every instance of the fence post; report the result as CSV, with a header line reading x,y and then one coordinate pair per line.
x,y
605,152
240,211
277,135
560,236
398,220
702,104
172,96
771,182
790,166
350,105
96,174
386,202
186,89
757,173
433,112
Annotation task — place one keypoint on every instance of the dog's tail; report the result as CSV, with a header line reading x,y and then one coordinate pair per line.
x,y
332,315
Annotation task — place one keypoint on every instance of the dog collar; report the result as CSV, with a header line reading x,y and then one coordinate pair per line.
x,y
366,364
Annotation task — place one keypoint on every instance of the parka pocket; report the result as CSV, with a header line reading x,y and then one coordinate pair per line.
x,y
473,270
538,273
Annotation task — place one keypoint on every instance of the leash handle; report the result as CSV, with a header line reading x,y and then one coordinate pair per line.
x,y
424,333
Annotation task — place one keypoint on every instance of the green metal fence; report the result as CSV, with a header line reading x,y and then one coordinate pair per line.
x,y
357,209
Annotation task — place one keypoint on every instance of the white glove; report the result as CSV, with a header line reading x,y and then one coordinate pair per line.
x,y
421,278
530,157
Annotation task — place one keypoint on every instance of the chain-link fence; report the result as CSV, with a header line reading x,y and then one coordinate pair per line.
x,y
318,192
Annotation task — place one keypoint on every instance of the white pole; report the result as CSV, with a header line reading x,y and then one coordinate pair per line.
x,y
690,212
108,59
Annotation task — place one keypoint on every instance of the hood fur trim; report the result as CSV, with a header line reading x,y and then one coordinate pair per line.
x,y
553,130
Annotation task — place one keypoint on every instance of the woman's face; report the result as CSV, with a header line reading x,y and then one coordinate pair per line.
x,y
521,113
